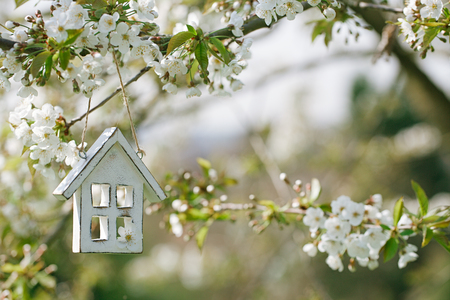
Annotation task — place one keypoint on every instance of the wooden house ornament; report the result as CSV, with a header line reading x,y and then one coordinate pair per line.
x,y
108,189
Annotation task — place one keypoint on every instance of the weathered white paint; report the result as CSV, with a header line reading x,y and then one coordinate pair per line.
x,y
111,168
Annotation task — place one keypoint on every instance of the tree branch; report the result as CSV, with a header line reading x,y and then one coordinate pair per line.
x,y
103,102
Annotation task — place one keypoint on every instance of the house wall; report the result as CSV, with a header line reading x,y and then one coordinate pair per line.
x,y
114,169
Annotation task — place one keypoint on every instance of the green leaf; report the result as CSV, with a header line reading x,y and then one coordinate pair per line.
x,y
38,62
228,181
442,240
178,39
9,268
20,2
222,50
191,29
430,34
48,67
196,214
223,216
201,236
201,54
323,27
398,211
407,232
96,4
443,224
427,236
390,249
73,34
385,227
64,58
316,189
30,163
325,207
421,196
205,164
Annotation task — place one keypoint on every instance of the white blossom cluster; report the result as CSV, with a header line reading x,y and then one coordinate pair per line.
x,y
35,128
354,228
414,11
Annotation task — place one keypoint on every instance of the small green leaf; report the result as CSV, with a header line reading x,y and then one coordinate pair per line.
x,y
407,232
201,236
427,236
228,181
421,197
398,211
323,27
193,214
222,50
73,34
385,227
442,240
178,39
443,224
46,280
20,2
316,189
64,58
48,67
267,203
38,62
9,268
30,163
205,164
390,249
96,4
191,29
201,54
430,34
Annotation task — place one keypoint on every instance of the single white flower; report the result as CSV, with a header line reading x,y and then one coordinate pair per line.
x,y
62,5
233,67
357,247
129,237
4,82
170,88
370,212
290,8
329,13
56,26
266,12
375,237
331,246
86,40
336,228
123,37
46,116
26,91
236,21
107,22
377,200
144,9
43,155
314,218
372,264
193,91
408,254
76,16
236,85
314,2
89,86
335,263
174,66
310,249
41,133
72,154
338,205
406,29
20,35
354,213
24,133
432,9
385,217
60,151
148,50
46,172
11,64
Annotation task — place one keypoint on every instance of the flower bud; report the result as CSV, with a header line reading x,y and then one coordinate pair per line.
x,y
329,13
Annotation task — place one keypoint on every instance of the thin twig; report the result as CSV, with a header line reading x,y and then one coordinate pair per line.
x,y
104,101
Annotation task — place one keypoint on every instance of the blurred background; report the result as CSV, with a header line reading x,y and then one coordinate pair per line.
x,y
360,127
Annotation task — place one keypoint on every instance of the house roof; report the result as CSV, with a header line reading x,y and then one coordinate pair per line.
x,y
98,150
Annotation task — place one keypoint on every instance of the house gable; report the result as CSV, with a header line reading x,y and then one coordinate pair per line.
x,y
98,150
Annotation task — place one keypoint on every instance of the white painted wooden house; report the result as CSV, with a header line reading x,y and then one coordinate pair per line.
x,y
108,189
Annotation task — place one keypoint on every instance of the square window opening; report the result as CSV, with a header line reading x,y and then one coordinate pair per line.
x,y
99,228
125,223
124,196
100,195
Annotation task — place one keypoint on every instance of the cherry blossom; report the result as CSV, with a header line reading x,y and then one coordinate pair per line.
x,y
290,8
314,218
129,237
236,22
123,37
193,92
432,8
107,22
144,9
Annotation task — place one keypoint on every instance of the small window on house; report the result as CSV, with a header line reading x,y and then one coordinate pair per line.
x,y
99,228
100,195
124,194
124,222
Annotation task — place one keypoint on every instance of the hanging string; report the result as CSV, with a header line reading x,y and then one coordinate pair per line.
x,y
81,152
140,152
